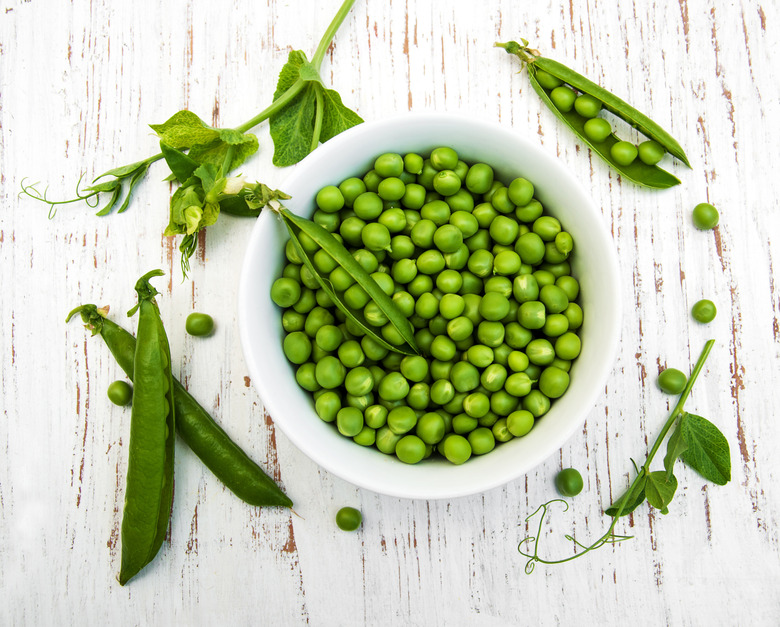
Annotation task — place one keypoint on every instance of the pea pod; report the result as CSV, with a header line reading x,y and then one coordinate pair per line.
x,y
342,256
149,485
638,172
231,465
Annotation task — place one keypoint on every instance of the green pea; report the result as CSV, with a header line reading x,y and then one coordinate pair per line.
x,y
529,212
366,437
531,314
569,285
394,220
501,201
587,106
480,355
705,216
389,164
553,382
623,153
544,277
391,189
484,213
414,368
401,419
348,519
376,236
481,440
507,263
651,152
372,180
442,392
351,354
547,80
350,189
359,381
518,384
375,416
520,191
536,403
493,306
569,482
330,199
448,238
444,158
547,228
503,403
568,346
351,230
419,396
327,406
517,336
554,299
349,421
520,423
297,347
306,377
410,449
330,372
413,163
530,247
463,424
472,284
479,178
430,262
491,333
446,183
464,376
563,98
120,393
555,325
597,130
540,352
479,241
574,315
672,381
476,404
500,431
457,449
462,200
419,285
460,328
393,387
386,440
481,263
367,206
704,311
437,211
504,230
285,292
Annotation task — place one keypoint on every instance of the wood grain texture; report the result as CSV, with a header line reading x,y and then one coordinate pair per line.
x,y
79,82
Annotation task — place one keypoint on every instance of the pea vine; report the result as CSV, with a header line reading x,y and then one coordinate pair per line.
x,y
303,113
695,440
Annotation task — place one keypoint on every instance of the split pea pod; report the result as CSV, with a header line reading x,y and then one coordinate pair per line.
x,y
231,465
547,76
149,484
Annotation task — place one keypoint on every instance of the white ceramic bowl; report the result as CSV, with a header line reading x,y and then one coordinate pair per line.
x,y
594,264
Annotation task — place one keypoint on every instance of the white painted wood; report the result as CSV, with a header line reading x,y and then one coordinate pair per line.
x,y
79,82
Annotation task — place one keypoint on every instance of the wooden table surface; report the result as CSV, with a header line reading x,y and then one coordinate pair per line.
x,y
78,84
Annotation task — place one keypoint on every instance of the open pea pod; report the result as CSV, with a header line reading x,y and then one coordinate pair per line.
x,y
638,172
296,224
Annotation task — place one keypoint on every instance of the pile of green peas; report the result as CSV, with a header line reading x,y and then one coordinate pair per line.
x,y
483,277
597,129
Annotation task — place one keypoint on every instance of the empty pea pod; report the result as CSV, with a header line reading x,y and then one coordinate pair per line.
x,y
546,75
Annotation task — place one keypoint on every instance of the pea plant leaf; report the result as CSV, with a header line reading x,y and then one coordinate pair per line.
x,y
180,164
294,129
707,449
660,489
636,501
675,446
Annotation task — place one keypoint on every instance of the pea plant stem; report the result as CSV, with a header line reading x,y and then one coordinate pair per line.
x,y
324,44
633,489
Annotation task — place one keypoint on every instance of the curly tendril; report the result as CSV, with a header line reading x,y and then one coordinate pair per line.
x,y
33,192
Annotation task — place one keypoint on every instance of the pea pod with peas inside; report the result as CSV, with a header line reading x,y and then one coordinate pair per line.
x,y
196,427
556,84
149,485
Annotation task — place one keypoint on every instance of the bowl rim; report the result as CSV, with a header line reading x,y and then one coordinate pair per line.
x,y
274,407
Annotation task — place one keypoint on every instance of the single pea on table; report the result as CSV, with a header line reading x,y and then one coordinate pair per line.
x,y
476,277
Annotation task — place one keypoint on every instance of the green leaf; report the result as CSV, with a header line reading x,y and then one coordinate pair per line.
x,y
185,129
292,128
140,173
342,256
636,500
675,446
708,450
180,164
112,201
309,73
660,489
290,73
125,170
215,151
207,174
337,117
